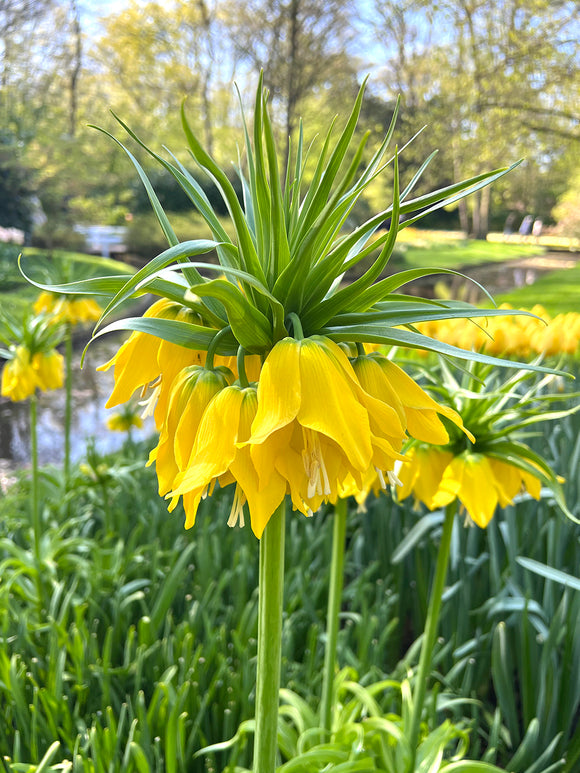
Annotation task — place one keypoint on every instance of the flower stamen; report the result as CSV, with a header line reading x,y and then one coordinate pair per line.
x,y
237,511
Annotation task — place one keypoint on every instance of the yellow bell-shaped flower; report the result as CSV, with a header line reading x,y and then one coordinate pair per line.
x,y
145,360
191,392
49,369
18,376
220,453
316,425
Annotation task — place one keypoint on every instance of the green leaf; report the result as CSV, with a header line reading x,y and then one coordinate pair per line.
x,y
246,728
101,285
502,670
522,456
423,526
139,280
247,279
155,203
379,291
409,311
557,575
181,333
349,297
468,766
189,185
322,185
250,327
382,334
246,245
279,248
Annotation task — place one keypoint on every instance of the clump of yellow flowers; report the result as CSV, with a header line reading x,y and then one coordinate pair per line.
x,y
496,464
125,420
511,336
254,367
255,370
62,309
32,361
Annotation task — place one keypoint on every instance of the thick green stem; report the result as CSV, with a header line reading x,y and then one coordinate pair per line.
x,y
67,404
431,629
36,526
271,593
333,611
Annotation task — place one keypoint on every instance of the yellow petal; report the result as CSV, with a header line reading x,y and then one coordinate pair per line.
x,y
508,480
262,500
477,491
278,390
374,381
329,406
420,408
432,465
135,366
215,444
532,484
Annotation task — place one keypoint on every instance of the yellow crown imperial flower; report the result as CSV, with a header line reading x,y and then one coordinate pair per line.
x,y
282,255
71,311
18,376
123,421
145,360
49,369
316,425
437,477
220,453
418,411
497,465
191,392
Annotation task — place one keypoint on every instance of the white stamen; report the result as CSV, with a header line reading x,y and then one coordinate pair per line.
x,y
237,511
381,478
314,467
151,402
393,479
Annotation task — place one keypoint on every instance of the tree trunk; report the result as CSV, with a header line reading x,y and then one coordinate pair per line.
x,y
75,69
292,90
481,201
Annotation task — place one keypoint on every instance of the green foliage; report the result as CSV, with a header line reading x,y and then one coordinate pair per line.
x,y
58,234
139,649
9,277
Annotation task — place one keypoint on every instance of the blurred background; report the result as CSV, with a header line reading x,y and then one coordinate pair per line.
x,y
492,82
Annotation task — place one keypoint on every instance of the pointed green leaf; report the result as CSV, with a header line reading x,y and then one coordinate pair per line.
x,y
250,327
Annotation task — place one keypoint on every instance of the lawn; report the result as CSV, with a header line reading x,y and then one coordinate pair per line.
x,y
423,249
557,291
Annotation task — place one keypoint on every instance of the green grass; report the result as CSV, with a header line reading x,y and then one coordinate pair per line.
x,y
557,291
458,253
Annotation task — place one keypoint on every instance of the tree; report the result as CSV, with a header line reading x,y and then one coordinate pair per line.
x,y
301,46
504,84
154,55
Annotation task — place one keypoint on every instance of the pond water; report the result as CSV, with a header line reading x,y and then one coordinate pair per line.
x,y
90,392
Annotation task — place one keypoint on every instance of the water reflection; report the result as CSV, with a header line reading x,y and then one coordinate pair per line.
x,y
89,415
